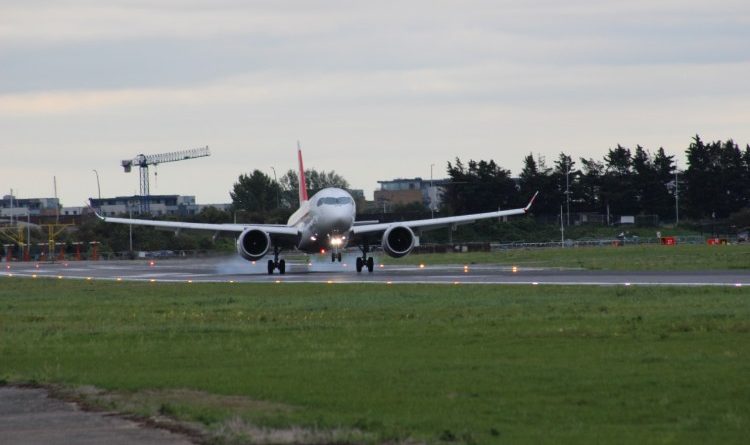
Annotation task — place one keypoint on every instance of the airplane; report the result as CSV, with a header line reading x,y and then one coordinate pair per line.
x,y
324,222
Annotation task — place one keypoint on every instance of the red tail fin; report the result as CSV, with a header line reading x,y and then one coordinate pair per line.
x,y
302,180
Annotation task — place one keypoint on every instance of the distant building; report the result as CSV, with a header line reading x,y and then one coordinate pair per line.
x,y
160,205
408,191
74,211
11,206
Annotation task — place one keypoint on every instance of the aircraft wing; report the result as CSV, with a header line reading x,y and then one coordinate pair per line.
x,y
271,229
436,223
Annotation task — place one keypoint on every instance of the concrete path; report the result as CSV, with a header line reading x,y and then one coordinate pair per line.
x,y
29,417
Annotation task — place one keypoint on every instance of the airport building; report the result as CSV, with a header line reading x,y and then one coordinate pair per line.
x,y
10,206
408,191
161,205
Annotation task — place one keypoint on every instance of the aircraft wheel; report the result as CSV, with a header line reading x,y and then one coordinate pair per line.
x,y
338,256
270,267
333,257
359,264
282,267
370,264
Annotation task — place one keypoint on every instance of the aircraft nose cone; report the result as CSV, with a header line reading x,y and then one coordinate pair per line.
x,y
341,223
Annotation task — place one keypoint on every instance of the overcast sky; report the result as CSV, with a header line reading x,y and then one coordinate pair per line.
x,y
374,90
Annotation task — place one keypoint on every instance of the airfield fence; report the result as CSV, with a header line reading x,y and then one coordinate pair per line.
x,y
495,246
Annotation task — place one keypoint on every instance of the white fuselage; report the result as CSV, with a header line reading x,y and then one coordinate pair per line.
x,y
324,221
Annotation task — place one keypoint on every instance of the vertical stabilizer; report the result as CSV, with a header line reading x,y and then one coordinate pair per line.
x,y
302,180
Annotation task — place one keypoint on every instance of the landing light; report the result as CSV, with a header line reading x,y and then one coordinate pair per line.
x,y
59,277
514,269
152,280
738,285
421,266
151,263
33,276
118,279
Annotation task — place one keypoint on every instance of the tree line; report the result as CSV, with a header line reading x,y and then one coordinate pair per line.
x,y
625,181
715,183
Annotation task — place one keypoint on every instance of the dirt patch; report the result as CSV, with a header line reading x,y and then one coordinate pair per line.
x,y
175,409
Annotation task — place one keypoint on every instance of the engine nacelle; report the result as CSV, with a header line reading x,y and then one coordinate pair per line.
x,y
253,244
398,241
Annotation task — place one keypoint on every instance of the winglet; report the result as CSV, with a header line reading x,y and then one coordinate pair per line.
x,y
528,206
302,180
88,204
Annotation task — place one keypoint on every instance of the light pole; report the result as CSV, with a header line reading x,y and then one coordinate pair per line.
x,y
11,207
98,188
130,226
28,233
431,194
276,181
567,189
676,199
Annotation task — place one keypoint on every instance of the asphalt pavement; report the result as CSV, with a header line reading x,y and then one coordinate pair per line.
x,y
234,269
28,416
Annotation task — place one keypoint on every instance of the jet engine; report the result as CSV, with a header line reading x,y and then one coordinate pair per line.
x,y
253,244
398,241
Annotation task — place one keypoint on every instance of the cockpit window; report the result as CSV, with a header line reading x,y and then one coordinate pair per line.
x,y
329,200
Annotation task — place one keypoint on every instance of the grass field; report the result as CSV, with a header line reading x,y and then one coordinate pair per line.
x,y
638,257
379,363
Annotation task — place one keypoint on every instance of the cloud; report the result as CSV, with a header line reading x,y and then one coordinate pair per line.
x,y
86,83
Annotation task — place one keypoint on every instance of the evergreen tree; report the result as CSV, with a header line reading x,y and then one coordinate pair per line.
x,y
536,176
255,193
479,187
617,183
315,181
591,184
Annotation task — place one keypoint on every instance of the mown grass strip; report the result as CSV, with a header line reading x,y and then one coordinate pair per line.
x,y
638,257
377,363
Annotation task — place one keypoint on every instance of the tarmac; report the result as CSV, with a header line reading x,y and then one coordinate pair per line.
x,y
235,270
28,416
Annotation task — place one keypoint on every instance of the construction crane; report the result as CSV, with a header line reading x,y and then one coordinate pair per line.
x,y
143,161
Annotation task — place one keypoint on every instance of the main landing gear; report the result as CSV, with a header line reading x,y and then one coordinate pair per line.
x,y
364,260
335,256
275,263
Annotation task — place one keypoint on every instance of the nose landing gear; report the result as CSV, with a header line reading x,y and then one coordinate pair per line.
x,y
335,256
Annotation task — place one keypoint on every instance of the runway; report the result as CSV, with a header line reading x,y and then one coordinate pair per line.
x,y
235,270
